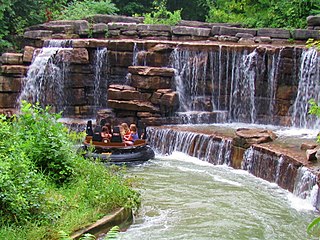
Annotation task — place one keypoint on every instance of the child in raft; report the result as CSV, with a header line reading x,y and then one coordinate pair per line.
x,y
129,135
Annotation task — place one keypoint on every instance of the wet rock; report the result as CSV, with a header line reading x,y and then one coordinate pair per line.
x,y
76,55
311,154
100,28
246,137
306,146
192,31
19,70
161,48
116,94
151,71
10,84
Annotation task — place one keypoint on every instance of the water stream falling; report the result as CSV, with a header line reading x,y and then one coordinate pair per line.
x,y
309,88
46,77
225,79
100,80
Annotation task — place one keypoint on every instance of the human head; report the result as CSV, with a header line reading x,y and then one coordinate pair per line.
x,y
125,127
133,127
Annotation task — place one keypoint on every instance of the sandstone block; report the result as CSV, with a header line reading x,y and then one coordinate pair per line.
x,y
75,55
120,59
154,27
81,27
170,100
19,70
38,34
8,100
246,137
306,146
10,84
303,34
147,33
201,32
12,58
161,48
89,43
116,94
122,26
151,82
100,28
263,40
215,30
274,33
232,31
244,35
151,71
133,106
28,54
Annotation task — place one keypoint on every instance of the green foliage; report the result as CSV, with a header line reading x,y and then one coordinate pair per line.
x,y
313,43
113,233
315,110
86,8
160,15
44,183
263,13
313,228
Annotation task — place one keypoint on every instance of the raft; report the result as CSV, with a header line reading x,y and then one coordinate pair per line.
x,y
117,152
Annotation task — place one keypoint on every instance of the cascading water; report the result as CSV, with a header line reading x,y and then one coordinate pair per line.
x,y
100,81
45,81
225,80
283,173
214,150
309,88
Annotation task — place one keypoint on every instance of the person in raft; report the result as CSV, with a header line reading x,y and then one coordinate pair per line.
x,y
105,134
134,132
129,135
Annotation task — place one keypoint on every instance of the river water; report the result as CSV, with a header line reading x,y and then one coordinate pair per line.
x,y
185,198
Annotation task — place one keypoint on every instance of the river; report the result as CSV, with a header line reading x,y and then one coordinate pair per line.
x,y
185,198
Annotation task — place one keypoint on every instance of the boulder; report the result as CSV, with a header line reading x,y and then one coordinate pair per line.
x,y
274,33
306,146
313,20
170,100
246,137
311,154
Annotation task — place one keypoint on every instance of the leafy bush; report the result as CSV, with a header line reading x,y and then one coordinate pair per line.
x,y
86,8
44,182
161,15
277,14
315,110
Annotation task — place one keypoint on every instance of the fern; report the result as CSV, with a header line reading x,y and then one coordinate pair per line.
x,y
113,233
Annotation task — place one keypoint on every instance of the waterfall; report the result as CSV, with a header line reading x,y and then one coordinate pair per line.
x,y
309,88
272,168
306,185
45,81
135,58
100,82
205,147
190,78
226,78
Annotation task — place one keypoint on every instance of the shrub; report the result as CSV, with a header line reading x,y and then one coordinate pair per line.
x,y
86,8
161,15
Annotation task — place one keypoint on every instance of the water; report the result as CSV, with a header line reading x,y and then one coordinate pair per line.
x,y
185,198
309,88
100,81
46,77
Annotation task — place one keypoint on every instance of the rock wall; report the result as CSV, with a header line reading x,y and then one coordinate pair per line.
x,y
141,59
